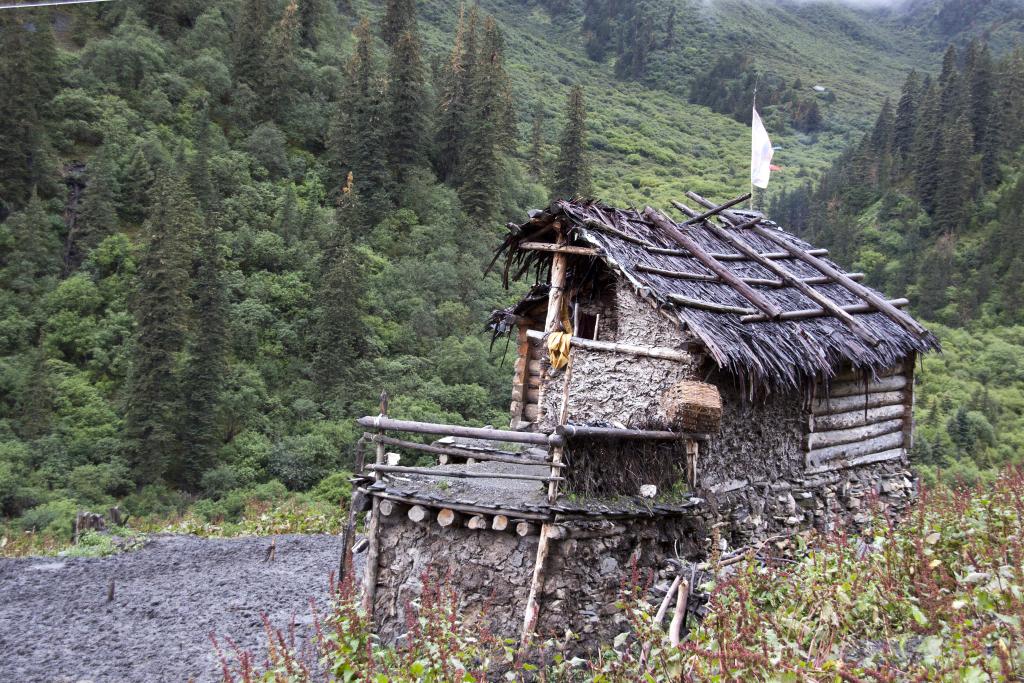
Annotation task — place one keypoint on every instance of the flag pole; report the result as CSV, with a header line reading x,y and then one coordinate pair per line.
x,y
753,107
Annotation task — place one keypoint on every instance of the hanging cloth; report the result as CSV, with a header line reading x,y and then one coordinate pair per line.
x,y
559,342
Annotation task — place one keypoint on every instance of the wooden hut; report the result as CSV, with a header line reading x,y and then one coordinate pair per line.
x,y
694,386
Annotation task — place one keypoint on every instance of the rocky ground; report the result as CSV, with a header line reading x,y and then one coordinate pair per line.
x,y
56,623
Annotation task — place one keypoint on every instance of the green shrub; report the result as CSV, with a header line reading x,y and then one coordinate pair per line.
x,y
99,484
301,461
157,500
55,518
220,480
334,488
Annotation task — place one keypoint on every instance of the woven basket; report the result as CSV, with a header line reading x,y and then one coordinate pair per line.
x,y
693,406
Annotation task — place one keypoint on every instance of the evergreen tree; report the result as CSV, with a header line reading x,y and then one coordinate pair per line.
x,y
34,255
399,17
205,371
881,145
98,217
572,170
200,181
358,132
28,82
407,106
954,189
339,332
454,101
252,43
979,73
281,71
311,14
490,129
906,117
137,180
927,147
536,159
161,307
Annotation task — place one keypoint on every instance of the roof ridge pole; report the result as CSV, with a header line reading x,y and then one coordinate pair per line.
x,y
728,277
893,313
787,276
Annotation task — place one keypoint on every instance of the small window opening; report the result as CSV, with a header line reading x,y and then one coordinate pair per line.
x,y
586,327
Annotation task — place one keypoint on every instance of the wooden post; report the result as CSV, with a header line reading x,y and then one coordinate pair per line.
x,y
532,612
677,618
373,551
556,294
692,451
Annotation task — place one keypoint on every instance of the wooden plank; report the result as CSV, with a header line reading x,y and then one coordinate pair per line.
x,y
688,302
785,275
389,424
840,389
845,404
838,437
854,418
805,313
559,249
858,375
885,442
629,349
580,431
748,292
908,402
453,474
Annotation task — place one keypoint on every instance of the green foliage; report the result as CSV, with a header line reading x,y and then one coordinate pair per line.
x,y
572,172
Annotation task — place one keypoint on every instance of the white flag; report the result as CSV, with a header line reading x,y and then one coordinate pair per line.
x,y
760,154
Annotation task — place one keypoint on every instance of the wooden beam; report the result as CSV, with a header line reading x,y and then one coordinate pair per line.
x,y
859,290
755,281
848,403
528,529
846,451
446,517
628,349
713,306
453,474
867,459
731,257
455,452
711,212
580,431
805,313
748,293
499,522
477,522
385,423
418,513
854,418
556,293
560,249
840,389
785,275
838,437
460,507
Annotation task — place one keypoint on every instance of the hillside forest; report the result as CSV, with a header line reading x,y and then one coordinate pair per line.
x,y
226,226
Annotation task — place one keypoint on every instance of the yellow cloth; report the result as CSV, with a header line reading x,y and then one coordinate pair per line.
x,y
558,349
559,342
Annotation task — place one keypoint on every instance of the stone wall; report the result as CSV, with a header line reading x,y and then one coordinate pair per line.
x,y
491,571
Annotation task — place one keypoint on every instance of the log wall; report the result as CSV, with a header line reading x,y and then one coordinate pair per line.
x,y
855,422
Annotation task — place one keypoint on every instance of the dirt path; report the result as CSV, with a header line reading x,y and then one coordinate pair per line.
x,y
56,623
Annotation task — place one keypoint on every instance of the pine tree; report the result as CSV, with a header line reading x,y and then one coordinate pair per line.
x,y
34,254
536,160
311,14
358,133
339,331
955,186
98,217
252,42
979,73
572,170
406,107
282,64
927,147
137,180
906,117
28,82
399,17
881,140
490,129
161,307
454,101
204,373
200,181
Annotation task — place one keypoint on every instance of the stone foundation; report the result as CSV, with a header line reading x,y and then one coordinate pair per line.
x,y
491,571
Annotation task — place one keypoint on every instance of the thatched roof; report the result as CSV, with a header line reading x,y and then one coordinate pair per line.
x,y
763,303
